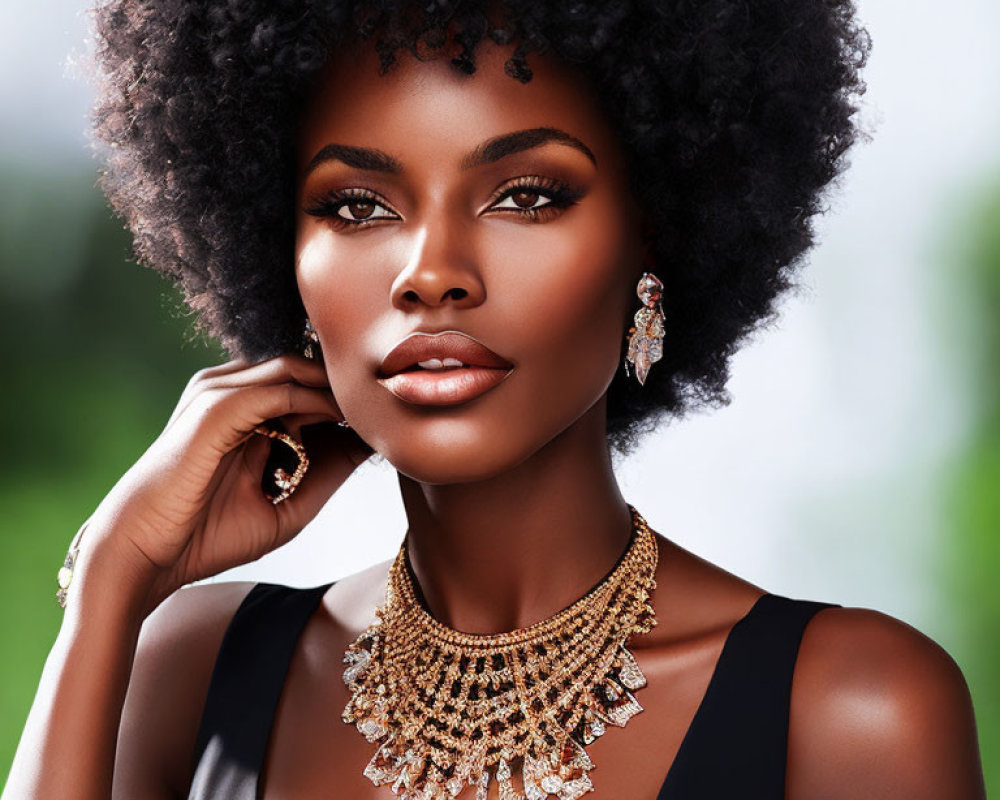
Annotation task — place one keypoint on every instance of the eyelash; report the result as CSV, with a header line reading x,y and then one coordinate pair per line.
x,y
560,195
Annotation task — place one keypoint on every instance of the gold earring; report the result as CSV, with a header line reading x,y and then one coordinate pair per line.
x,y
645,344
309,339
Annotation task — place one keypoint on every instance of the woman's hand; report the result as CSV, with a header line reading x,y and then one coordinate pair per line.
x,y
192,505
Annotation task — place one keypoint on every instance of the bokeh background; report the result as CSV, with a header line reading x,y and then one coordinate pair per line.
x,y
859,462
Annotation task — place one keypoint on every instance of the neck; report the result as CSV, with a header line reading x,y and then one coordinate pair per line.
x,y
501,554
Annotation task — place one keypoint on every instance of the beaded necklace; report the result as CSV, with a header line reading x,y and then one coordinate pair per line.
x,y
450,709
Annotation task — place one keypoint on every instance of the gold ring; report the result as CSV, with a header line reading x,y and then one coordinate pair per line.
x,y
287,483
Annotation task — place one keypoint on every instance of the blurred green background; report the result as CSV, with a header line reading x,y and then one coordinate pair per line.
x,y
878,398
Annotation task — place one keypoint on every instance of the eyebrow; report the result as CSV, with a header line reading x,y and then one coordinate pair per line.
x,y
490,151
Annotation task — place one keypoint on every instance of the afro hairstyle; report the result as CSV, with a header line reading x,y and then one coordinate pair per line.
x,y
733,116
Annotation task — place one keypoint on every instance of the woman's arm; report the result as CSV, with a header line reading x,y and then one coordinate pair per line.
x,y
879,710
68,744
165,686
190,507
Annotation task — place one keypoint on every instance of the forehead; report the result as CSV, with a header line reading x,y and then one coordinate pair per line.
x,y
421,111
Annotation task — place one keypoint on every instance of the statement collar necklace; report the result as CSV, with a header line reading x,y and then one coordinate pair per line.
x,y
451,709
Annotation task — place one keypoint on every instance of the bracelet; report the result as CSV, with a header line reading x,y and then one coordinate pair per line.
x,y
65,576
285,482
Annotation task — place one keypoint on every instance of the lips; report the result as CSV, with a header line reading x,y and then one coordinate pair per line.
x,y
441,381
452,344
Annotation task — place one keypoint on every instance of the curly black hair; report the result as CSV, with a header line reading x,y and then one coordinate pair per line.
x,y
734,117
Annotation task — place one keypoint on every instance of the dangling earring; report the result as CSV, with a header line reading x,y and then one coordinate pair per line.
x,y
309,338
645,344
309,349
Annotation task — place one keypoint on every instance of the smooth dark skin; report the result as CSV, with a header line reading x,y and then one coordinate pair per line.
x,y
508,529
512,505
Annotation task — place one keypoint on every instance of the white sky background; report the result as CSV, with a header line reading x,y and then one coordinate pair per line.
x,y
822,479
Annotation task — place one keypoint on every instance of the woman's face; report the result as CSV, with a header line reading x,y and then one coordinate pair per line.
x,y
414,216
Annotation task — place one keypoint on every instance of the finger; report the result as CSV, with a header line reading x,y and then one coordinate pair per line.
x,y
255,454
293,423
335,453
250,449
197,381
280,369
226,416
274,370
225,367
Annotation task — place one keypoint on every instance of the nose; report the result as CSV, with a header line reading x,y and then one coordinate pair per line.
x,y
436,273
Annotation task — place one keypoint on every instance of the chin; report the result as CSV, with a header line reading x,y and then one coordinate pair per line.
x,y
450,451
481,440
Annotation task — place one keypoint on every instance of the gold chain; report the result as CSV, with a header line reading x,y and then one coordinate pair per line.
x,y
451,709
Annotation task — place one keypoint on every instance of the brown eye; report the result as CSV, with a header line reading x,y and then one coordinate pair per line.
x,y
350,207
360,209
522,197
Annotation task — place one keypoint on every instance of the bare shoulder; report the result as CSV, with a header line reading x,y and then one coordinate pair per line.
x,y
173,665
879,709
350,603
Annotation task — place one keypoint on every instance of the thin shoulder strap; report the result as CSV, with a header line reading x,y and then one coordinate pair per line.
x,y
246,683
737,744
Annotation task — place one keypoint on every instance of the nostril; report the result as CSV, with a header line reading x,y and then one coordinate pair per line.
x,y
415,296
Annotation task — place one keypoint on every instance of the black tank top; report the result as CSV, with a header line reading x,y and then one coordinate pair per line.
x,y
736,745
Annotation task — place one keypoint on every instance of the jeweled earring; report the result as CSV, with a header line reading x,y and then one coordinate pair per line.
x,y
645,344
310,340
309,349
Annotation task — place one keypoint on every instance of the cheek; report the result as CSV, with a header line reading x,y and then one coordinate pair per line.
x,y
340,304
570,298
557,300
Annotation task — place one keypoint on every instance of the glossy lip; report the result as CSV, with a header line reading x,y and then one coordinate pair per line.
x,y
419,346
483,370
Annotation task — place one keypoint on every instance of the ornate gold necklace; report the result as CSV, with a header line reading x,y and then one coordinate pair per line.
x,y
451,709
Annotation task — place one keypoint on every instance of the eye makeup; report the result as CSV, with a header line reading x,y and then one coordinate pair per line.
x,y
523,194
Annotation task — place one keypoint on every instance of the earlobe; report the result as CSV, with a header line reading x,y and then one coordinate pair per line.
x,y
310,349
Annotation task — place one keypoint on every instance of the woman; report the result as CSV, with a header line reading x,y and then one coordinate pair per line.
x,y
503,238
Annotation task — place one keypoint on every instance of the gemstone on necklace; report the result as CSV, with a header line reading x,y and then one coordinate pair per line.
x,y
446,707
